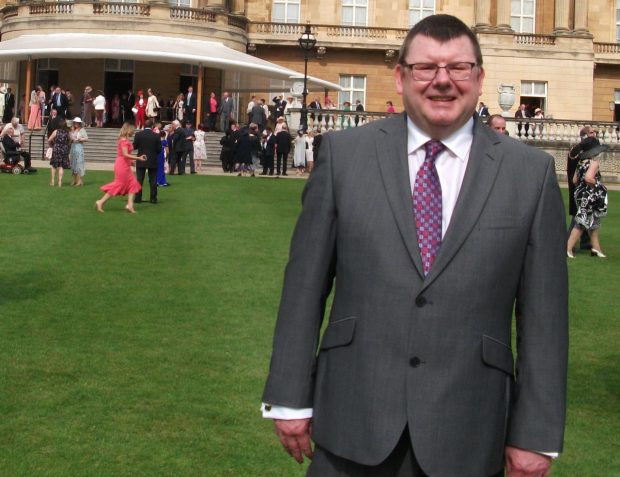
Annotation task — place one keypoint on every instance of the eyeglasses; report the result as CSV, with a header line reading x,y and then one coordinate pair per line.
x,y
460,71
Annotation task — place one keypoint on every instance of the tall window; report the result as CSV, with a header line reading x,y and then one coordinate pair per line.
x,y
178,3
522,14
355,12
618,21
285,11
419,9
353,88
534,94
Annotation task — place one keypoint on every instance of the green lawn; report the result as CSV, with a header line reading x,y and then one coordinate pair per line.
x,y
138,345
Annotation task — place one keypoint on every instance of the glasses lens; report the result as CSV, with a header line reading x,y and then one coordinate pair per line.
x,y
459,71
423,71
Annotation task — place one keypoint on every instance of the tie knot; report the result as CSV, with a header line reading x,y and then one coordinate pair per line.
x,y
433,148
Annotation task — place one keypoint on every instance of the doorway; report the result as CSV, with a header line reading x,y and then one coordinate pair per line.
x,y
116,86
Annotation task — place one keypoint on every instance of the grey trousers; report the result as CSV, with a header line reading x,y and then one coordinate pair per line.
x,y
400,463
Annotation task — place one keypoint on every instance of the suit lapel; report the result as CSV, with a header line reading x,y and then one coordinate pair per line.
x,y
482,167
391,155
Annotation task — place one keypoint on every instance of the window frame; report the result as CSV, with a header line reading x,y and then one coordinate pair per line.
x,y
353,4
287,4
521,16
351,90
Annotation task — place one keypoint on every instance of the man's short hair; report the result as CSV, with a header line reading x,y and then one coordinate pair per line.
x,y
441,28
148,123
493,117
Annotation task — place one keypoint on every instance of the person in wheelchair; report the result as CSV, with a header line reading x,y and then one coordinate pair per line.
x,y
12,149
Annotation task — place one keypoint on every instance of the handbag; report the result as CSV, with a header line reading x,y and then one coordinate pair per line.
x,y
134,110
48,153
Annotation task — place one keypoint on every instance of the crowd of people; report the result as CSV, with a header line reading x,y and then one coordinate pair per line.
x,y
264,143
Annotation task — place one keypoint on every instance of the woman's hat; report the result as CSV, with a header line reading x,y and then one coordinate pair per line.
x,y
77,120
538,110
591,147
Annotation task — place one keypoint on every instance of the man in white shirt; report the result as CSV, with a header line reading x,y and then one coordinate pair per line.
x,y
435,236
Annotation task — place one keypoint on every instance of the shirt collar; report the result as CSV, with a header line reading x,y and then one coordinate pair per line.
x,y
459,142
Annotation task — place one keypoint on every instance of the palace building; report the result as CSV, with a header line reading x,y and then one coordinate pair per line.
x,y
561,56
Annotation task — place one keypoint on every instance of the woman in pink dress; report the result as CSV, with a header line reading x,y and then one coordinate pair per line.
x,y
34,119
124,181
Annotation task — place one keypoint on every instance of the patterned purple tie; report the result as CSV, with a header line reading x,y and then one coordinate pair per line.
x,y
427,205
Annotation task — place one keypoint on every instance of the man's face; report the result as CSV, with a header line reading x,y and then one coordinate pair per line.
x,y
499,124
440,106
57,90
190,89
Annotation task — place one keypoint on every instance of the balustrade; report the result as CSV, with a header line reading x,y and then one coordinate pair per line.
x,y
111,8
51,8
182,13
534,40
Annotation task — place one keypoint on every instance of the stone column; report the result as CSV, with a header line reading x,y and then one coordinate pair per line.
x,y
503,16
483,15
562,10
219,4
27,89
238,7
581,16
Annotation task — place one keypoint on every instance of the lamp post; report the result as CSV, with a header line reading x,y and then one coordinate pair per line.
x,y
307,42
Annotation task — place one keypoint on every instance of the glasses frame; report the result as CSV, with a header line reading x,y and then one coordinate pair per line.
x,y
447,67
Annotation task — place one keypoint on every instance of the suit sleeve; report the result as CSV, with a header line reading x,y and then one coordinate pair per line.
x,y
307,283
539,401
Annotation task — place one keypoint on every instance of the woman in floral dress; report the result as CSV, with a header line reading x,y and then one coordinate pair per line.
x,y
60,141
200,147
590,197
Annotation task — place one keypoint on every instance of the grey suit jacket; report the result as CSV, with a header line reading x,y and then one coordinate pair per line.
x,y
435,352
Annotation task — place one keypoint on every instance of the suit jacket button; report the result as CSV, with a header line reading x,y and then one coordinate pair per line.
x,y
420,301
414,362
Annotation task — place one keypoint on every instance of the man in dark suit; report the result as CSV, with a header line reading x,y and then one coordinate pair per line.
x,y
430,243
147,143
190,105
53,123
522,112
359,107
188,153
9,106
268,147
177,148
316,104
60,102
283,147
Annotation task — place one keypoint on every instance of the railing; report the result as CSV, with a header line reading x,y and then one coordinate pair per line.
x,y
332,31
606,48
132,9
546,130
51,8
193,14
534,40
238,22
9,11
41,139
357,32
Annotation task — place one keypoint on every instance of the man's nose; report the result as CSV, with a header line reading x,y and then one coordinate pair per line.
x,y
442,77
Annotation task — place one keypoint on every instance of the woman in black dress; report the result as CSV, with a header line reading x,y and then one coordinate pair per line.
x,y
60,141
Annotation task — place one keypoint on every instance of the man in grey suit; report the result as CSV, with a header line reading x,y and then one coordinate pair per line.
x,y
436,229
226,108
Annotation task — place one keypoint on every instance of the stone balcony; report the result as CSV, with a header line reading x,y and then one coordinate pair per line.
x,y
154,18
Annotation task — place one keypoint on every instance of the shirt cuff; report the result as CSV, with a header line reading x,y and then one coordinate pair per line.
x,y
287,413
553,455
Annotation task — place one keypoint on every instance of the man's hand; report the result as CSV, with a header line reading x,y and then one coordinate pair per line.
x,y
522,463
294,435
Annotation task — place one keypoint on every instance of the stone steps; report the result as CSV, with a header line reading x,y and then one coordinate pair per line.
x,y
101,145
